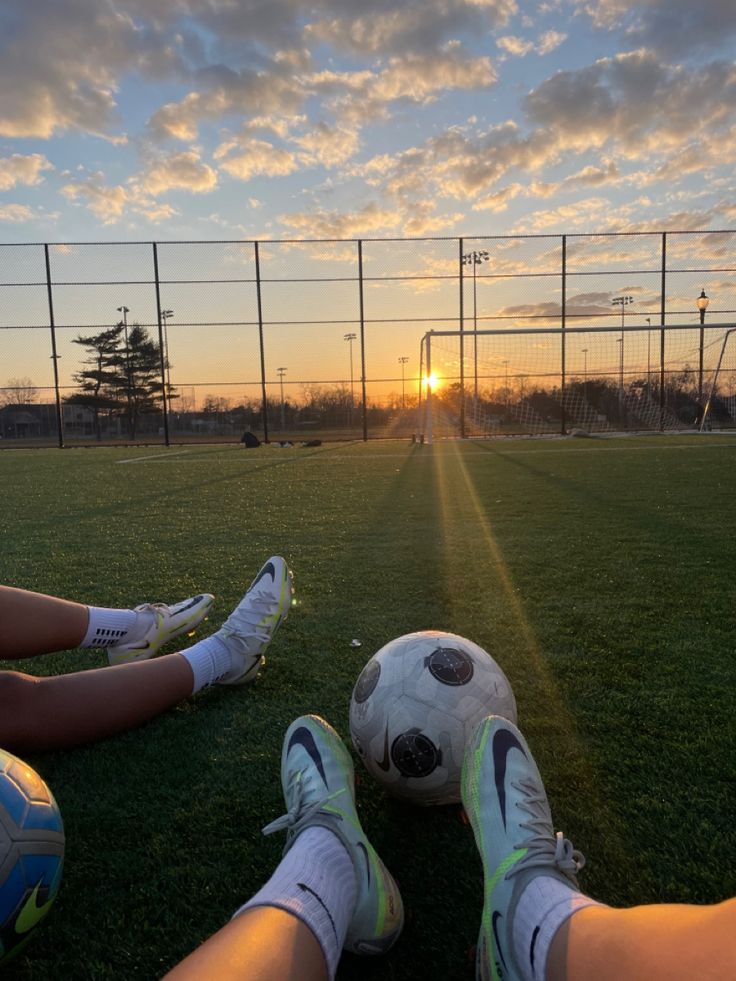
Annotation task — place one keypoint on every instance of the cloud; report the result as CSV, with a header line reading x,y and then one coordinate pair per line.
x,y
520,47
414,25
112,203
636,101
16,213
106,203
672,27
334,224
60,64
256,158
180,171
20,169
360,96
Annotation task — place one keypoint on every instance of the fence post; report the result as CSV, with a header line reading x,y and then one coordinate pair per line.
x,y
662,312
264,399
164,355
362,338
563,317
462,343
54,355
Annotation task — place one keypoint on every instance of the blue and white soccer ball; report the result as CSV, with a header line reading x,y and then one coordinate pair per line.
x,y
414,707
31,853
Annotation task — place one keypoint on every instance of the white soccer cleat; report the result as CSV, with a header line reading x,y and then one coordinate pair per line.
x,y
249,629
168,622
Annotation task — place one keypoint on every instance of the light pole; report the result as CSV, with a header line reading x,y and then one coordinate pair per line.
x,y
165,314
474,259
281,372
702,302
402,362
507,383
649,356
585,373
623,302
125,311
350,338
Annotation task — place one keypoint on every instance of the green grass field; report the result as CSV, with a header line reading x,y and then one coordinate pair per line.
x,y
599,573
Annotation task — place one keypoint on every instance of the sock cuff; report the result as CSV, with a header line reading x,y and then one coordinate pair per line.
x,y
209,660
106,627
555,917
315,882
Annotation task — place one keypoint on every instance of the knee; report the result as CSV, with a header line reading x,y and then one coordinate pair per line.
x,y
17,693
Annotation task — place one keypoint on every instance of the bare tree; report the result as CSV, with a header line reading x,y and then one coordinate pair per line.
x,y
18,391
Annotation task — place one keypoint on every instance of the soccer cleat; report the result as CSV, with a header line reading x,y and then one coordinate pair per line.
x,y
318,782
168,622
505,801
248,630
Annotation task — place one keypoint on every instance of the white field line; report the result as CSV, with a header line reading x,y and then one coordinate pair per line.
x,y
156,456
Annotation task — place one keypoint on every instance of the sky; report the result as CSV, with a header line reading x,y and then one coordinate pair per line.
x,y
241,119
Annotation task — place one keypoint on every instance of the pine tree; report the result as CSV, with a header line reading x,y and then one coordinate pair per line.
x,y
99,384
143,384
120,378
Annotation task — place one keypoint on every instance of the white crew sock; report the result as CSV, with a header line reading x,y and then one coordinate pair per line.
x,y
543,907
210,660
108,627
315,882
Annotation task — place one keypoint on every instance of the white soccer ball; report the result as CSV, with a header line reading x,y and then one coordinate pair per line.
x,y
414,707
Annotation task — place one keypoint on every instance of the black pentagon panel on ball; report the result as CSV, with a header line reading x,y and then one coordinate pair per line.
x,y
366,683
414,754
450,666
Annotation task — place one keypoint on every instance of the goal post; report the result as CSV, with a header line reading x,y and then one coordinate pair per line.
x,y
553,380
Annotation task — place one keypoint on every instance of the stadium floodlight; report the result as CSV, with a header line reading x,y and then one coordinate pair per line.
x,y
350,338
165,314
474,259
402,362
702,301
281,372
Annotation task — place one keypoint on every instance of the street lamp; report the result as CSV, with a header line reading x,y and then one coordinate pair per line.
x,y
350,338
281,372
165,314
402,362
474,259
702,302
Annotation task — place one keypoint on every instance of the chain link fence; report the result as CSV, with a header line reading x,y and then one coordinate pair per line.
x,y
297,340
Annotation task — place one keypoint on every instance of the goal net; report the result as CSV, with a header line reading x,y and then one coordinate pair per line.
x,y
550,381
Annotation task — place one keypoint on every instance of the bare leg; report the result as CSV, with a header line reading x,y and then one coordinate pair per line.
x,y
32,623
646,942
52,713
262,944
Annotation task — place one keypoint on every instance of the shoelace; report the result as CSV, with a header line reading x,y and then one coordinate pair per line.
x,y
297,813
544,850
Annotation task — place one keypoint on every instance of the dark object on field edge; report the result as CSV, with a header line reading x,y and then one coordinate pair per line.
x,y
250,441
313,442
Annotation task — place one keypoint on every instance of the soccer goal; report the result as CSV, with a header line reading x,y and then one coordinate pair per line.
x,y
545,381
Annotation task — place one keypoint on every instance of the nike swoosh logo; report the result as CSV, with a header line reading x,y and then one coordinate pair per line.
x,y
531,947
497,916
267,570
306,888
303,737
503,742
385,763
364,850
32,913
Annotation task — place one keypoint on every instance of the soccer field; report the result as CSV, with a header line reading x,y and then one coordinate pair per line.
x,y
598,573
